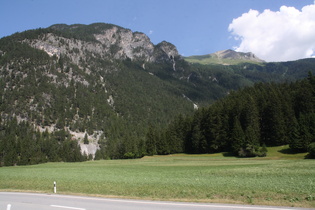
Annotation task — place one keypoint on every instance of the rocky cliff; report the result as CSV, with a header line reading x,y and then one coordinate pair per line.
x,y
105,41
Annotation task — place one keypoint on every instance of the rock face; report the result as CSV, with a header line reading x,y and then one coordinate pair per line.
x,y
106,41
123,43
89,149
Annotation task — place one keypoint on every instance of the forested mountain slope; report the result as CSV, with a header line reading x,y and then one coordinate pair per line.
x,y
245,122
103,85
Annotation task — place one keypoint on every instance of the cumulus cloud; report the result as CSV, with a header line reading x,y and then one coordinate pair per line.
x,y
287,34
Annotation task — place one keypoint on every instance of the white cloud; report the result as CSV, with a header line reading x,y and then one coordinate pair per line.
x,y
287,34
151,32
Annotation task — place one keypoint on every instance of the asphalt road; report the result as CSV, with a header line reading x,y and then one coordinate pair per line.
x,y
32,201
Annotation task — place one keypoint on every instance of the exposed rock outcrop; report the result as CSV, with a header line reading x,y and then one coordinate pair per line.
x,y
106,41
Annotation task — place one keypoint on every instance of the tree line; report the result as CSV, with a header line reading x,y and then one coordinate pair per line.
x,y
244,123
22,144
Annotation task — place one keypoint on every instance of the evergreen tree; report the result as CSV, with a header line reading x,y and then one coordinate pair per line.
x,y
311,150
251,122
196,139
305,136
10,155
98,155
162,146
151,141
294,136
238,141
85,140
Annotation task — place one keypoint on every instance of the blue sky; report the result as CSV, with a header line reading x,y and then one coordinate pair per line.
x,y
195,27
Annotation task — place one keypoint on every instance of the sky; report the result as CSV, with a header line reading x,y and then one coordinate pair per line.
x,y
274,30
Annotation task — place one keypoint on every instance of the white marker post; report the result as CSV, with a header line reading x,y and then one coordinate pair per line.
x,y
55,188
9,207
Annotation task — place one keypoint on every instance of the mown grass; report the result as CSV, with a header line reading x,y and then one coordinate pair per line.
x,y
273,180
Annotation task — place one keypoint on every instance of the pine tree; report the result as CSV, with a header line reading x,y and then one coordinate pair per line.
x,y
294,136
86,140
251,122
10,155
151,141
273,125
198,142
237,137
162,146
305,136
311,150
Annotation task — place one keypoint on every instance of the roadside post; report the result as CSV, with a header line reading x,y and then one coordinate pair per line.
x,y
55,187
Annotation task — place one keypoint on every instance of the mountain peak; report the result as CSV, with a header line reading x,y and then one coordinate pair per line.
x,y
233,55
104,40
225,57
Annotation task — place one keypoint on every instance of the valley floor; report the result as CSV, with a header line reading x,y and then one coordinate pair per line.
x,y
280,179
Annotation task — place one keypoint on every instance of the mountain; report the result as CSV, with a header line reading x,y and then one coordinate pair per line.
x,y
104,86
225,57
108,41
100,80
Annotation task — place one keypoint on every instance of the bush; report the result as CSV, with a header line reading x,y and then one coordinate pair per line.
x,y
129,155
263,151
249,151
252,151
311,150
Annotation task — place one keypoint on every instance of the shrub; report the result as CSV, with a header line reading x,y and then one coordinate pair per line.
x,y
263,151
129,155
252,151
311,150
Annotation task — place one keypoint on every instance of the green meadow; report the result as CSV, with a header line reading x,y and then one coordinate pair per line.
x,y
281,178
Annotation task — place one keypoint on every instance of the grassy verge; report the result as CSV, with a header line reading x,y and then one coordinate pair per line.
x,y
273,180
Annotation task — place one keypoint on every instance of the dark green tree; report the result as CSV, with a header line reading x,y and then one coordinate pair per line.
x,y
162,146
311,150
151,141
10,151
238,141
86,140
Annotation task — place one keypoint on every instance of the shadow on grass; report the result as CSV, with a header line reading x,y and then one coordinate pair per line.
x,y
228,154
231,154
289,151
309,156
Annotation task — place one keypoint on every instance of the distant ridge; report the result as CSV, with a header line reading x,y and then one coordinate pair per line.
x,y
225,57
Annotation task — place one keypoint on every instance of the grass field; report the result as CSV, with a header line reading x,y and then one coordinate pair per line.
x,y
278,179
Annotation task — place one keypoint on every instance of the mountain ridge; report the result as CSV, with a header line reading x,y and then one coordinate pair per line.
x,y
108,40
225,57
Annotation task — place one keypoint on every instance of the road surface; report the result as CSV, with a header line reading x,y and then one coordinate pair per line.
x,y
32,201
